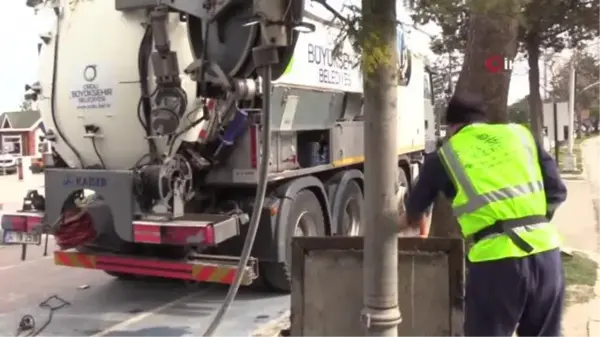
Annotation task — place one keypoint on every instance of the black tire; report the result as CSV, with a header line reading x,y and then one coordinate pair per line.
x,y
351,211
307,212
403,179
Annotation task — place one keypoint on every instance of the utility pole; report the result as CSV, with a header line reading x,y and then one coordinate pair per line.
x,y
570,158
545,77
381,314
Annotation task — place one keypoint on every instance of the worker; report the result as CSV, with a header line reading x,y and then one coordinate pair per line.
x,y
504,189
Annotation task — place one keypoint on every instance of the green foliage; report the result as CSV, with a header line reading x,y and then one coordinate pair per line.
x,y
595,112
580,276
518,112
445,69
363,29
451,16
555,24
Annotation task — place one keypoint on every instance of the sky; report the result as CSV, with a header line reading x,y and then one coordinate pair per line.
x,y
19,31
18,61
519,83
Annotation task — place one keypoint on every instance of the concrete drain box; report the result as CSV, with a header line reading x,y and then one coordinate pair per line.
x,y
327,284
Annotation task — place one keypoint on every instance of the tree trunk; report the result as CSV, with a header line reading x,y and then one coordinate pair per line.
x,y
534,99
380,71
492,33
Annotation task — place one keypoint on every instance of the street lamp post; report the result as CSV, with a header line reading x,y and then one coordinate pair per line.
x,y
570,160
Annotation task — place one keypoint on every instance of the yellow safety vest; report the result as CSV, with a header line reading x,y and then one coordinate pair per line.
x,y
500,199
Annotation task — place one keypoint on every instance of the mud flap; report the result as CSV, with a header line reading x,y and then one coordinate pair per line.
x,y
115,188
327,286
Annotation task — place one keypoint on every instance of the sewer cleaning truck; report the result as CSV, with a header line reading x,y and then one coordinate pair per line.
x,y
209,134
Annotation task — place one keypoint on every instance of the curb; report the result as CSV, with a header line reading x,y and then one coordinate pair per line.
x,y
582,173
274,327
593,326
593,323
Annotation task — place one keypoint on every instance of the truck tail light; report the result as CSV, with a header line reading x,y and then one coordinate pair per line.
x,y
173,234
21,223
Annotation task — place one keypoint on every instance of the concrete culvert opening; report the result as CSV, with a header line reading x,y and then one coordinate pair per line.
x,y
430,286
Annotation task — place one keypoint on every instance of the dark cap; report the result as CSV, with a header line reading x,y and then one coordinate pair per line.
x,y
465,108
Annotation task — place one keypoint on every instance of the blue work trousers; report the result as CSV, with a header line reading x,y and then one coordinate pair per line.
x,y
525,294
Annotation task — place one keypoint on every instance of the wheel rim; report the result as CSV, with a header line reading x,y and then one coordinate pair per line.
x,y
304,225
351,218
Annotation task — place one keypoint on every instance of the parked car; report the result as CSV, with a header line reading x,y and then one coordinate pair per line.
x,y
8,163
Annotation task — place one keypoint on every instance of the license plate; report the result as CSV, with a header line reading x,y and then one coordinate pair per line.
x,y
23,238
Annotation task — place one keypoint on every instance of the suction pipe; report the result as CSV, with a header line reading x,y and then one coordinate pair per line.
x,y
264,56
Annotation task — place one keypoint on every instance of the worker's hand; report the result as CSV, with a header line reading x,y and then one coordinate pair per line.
x,y
424,226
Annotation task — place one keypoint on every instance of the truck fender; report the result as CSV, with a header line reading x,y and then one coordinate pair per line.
x,y
286,194
335,187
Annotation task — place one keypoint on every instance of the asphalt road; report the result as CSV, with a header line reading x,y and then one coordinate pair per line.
x,y
101,305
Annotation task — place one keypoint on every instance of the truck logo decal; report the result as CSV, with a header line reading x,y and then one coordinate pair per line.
x,y
84,181
90,72
94,91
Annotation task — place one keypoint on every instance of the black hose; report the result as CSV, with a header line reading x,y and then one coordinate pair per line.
x,y
144,104
141,110
186,129
261,189
203,57
98,153
53,93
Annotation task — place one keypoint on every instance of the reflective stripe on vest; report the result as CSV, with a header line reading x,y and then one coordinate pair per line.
x,y
476,201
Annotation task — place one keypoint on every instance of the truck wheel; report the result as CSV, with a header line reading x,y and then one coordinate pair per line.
x,y
350,216
403,188
403,180
305,219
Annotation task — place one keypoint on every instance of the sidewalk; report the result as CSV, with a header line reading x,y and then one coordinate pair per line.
x,y
577,220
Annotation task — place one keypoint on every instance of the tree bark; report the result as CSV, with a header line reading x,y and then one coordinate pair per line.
x,y
380,71
492,32
534,99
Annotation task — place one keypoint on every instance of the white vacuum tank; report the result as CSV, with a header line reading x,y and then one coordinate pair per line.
x,y
97,81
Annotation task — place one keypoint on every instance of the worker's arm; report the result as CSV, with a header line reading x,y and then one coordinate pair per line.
x,y
418,204
556,191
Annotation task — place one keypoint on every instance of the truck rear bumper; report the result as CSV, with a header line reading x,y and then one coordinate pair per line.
x,y
194,229
206,268
118,211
